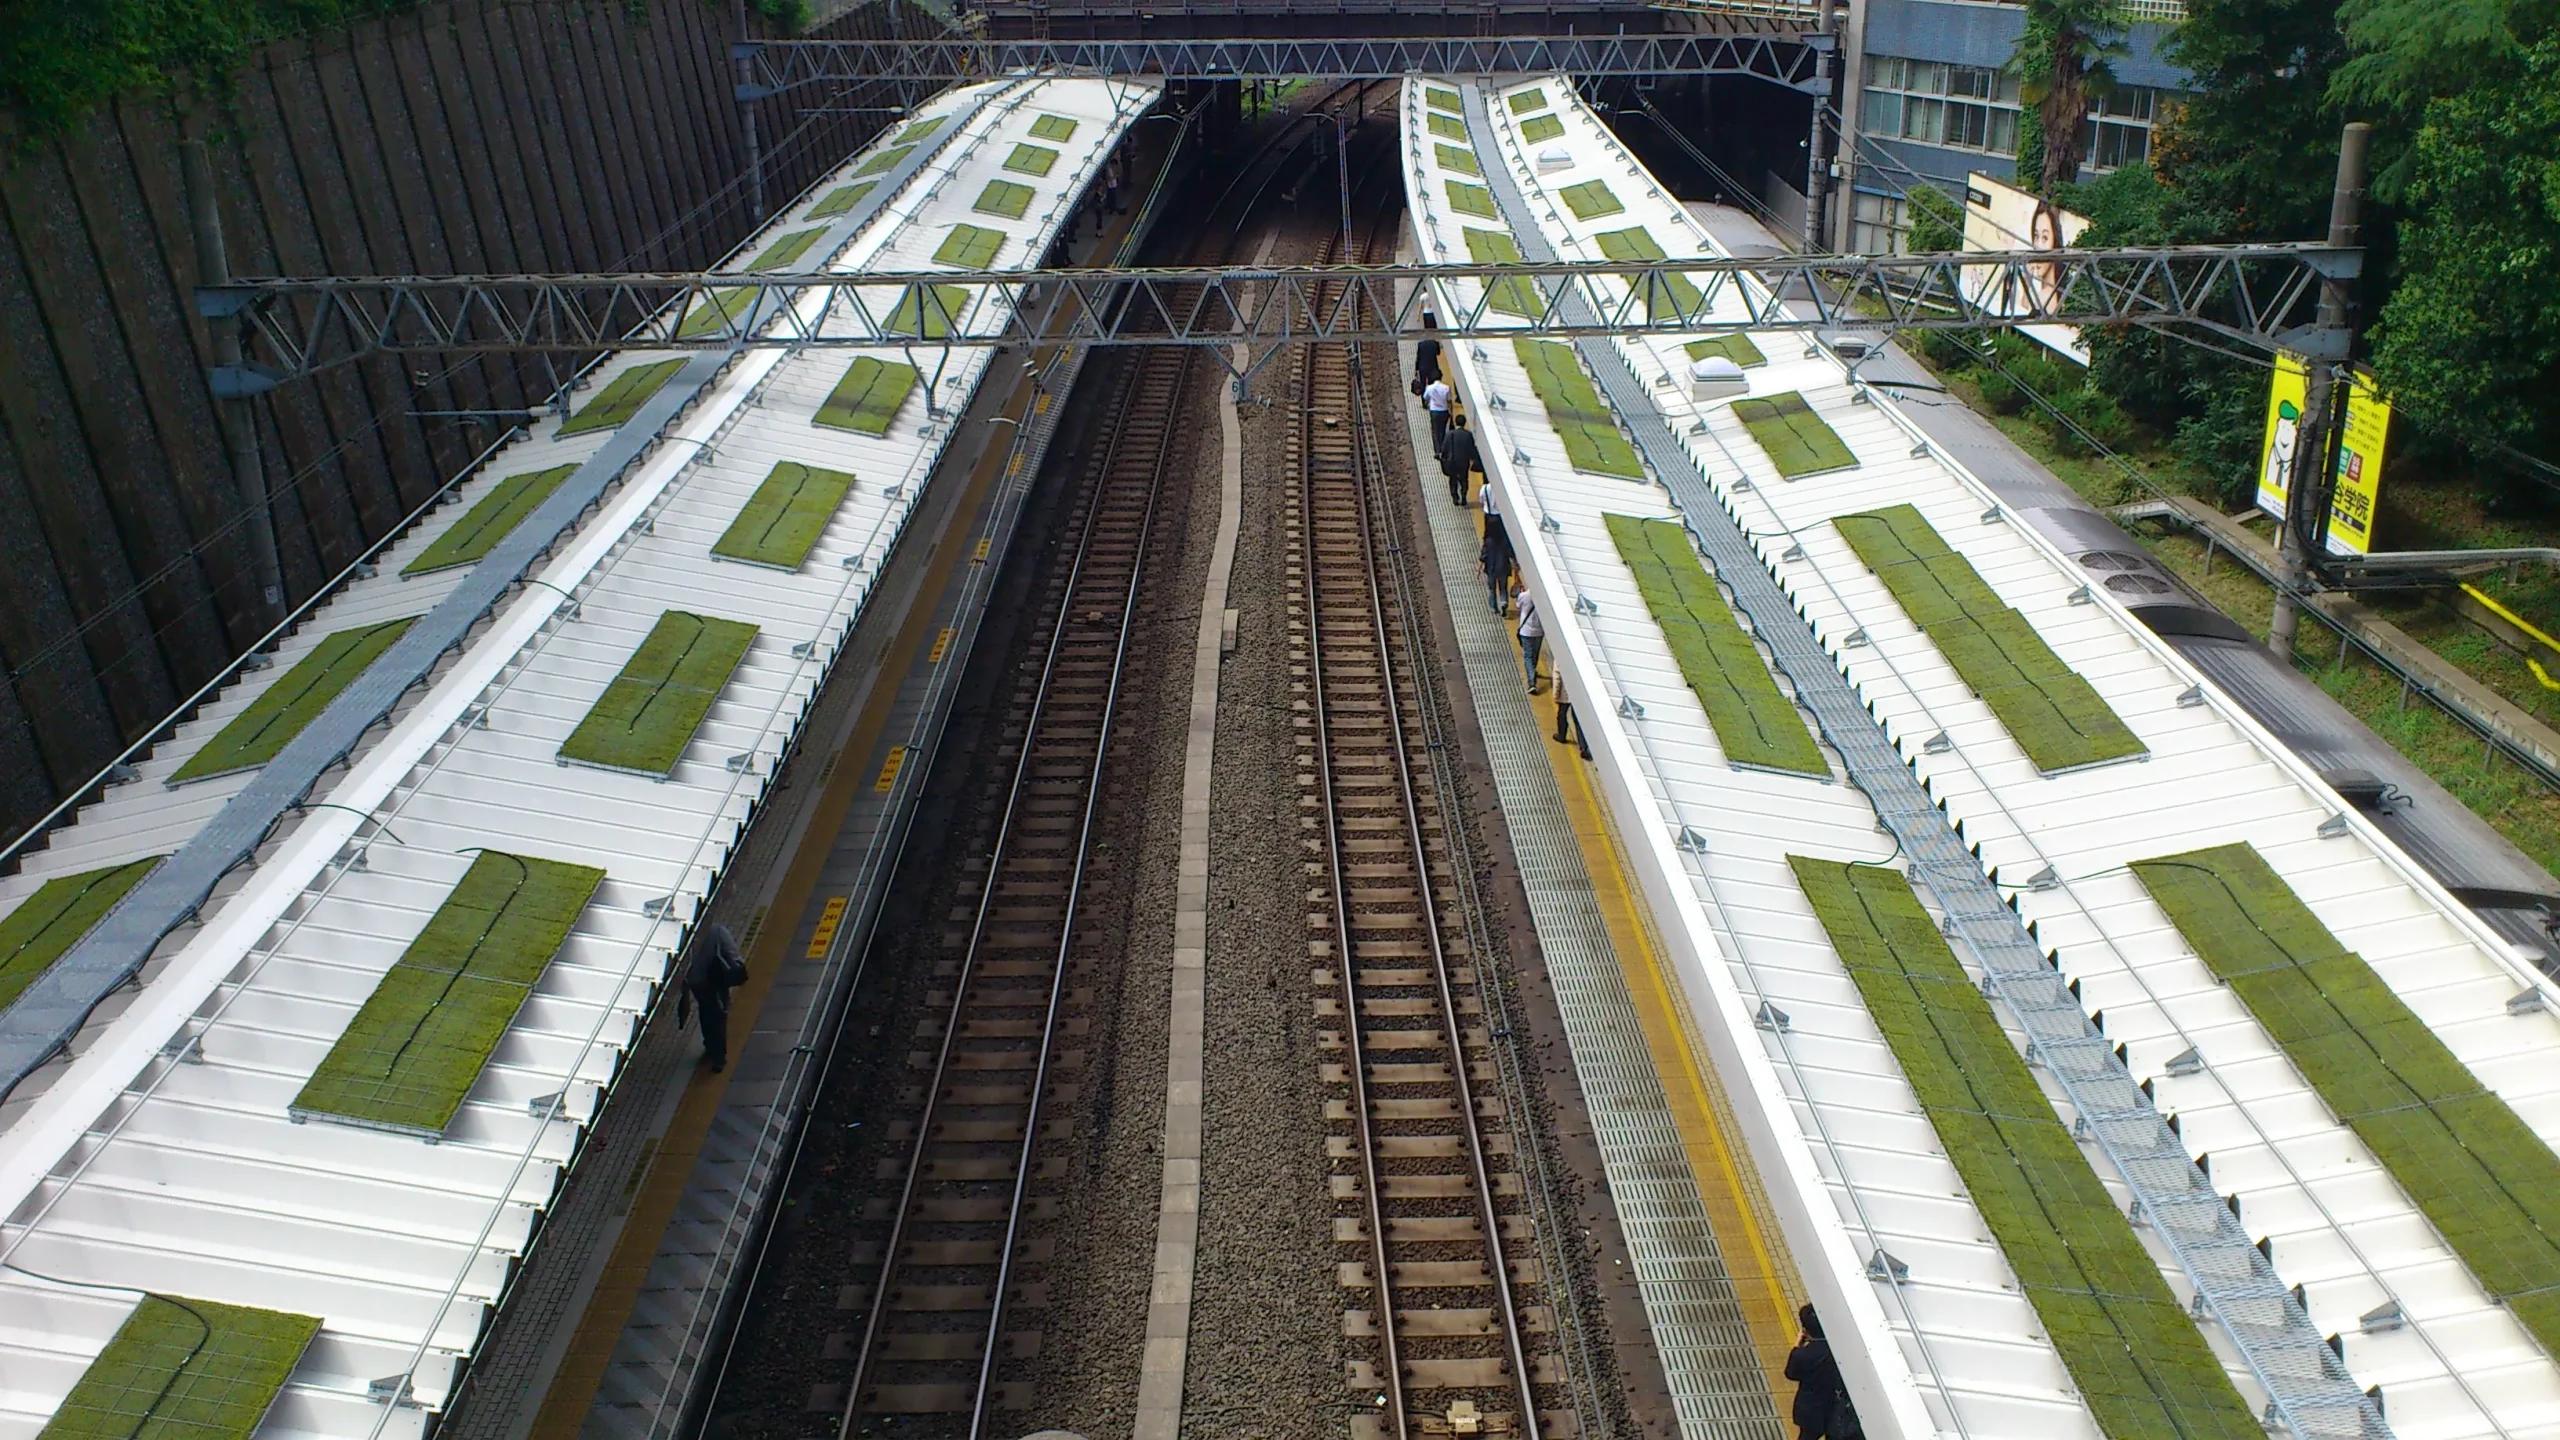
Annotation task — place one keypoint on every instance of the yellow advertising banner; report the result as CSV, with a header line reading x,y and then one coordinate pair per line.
x,y
2366,428
2286,397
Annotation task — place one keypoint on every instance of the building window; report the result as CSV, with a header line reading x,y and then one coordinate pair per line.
x,y
2120,127
1962,107
1879,225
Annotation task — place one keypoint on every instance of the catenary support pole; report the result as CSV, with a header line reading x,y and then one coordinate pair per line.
x,y
237,415
1817,160
747,115
2314,478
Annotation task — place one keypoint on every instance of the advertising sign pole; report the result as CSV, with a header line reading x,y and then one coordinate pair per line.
x,y
2306,514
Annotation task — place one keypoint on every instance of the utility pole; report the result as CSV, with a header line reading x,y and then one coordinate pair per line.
x,y
2302,547
235,413
1817,160
744,51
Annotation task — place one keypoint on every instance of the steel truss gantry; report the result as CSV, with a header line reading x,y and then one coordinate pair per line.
x,y
2249,294
771,67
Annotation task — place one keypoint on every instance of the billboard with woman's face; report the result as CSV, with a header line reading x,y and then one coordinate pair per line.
x,y
2000,216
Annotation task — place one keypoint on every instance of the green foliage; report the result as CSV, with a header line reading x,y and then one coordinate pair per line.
x,y
412,1053
1541,127
489,521
295,700
928,313
1447,127
1007,198
1469,199
2485,1181
1666,297
2065,53
1588,428
2139,1362
970,247
2053,714
868,398
844,197
1029,159
53,919
622,397
1937,221
1589,200
1453,158
1754,722
649,713
1511,295
181,1369
64,59
789,16
783,520
1797,440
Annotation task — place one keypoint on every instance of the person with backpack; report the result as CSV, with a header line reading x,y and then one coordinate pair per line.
x,y
713,967
1494,559
1459,458
1822,1409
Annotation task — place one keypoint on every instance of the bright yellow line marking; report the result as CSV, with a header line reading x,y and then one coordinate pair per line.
x,y
828,920
985,543
889,770
941,643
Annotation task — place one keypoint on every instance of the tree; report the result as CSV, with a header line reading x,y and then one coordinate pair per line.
x,y
2064,56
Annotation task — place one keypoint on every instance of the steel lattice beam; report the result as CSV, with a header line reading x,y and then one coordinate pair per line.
x,y
2252,294
776,66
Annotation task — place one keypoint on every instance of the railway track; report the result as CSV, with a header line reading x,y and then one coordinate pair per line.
x,y
1446,1321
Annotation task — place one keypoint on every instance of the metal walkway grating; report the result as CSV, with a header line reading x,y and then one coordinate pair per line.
x,y
1718,1388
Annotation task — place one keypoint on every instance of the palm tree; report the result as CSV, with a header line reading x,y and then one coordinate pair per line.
x,y
2065,56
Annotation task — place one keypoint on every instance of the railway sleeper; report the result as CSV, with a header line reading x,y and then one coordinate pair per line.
x,y
1435,1274
946,1399
1433,1107
1414,1147
1432,1229
1506,1185
1491,1373
1438,1324
1553,1424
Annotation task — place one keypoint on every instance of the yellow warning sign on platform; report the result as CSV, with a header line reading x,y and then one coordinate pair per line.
x,y
889,769
828,920
941,643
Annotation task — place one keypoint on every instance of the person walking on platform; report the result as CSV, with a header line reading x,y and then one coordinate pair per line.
x,y
1494,559
1533,636
713,968
1426,354
1822,1410
1458,458
1436,398
1111,184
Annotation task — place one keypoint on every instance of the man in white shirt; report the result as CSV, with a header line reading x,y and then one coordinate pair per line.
x,y
1435,399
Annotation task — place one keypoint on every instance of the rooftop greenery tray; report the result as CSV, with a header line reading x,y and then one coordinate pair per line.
x,y
650,711
869,396
1590,200
1446,127
970,247
841,199
1587,427
2139,1361
719,312
1008,198
1736,348
1453,158
783,520
419,1043
883,162
1671,295
922,129
622,397
2051,712
471,538
1512,294
1541,127
928,313
1469,199
296,699
1053,127
53,919
1798,441
1439,99
1524,101
1030,159
1754,721
786,252
182,1369
2480,1175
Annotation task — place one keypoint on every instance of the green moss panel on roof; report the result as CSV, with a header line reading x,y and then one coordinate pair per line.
x,y
868,398
969,247
1524,101
1588,428
787,251
1029,159
1453,158
1446,127
296,699
1755,724
2053,714
1053,127
841,199
1590,200
622,397
720,313
488,521
1541,127
2140,1363
649,713
1008,198
1665,297
53,919
784,518
414,1050
1736,348
1469,199
184,1369
1797,441
2481,1176
928,312
922,129
1439,99
1512,294
887,160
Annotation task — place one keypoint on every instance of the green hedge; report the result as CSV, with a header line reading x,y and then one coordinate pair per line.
x,y
884,162
53,919
1797,440
1030,159
1447,127
2052,713
1513,294
1666,297
182,1369
783,520
1053,127
1754,721
488,521
622,397
970,247
2488,1184
1439,99
257,734
419,1043
650,711
1469,199
1736,348
1588,428
2139,1361
1524,101
1008,198
841,199
1462,161
928,312
1541,127
869,396
1590,200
